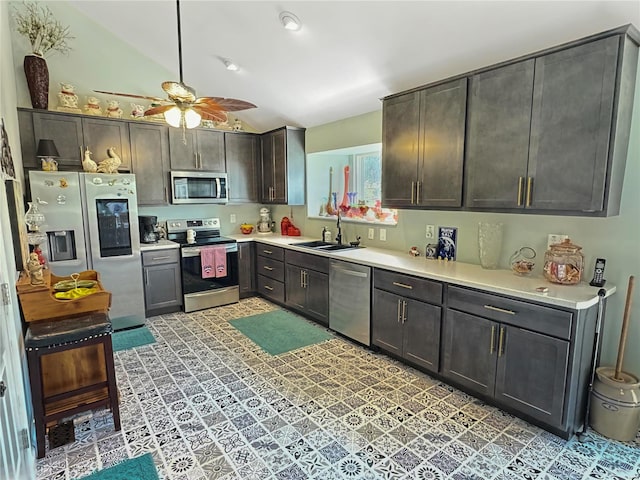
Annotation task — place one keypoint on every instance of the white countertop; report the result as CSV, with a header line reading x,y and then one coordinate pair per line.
x,y
160,245
505,282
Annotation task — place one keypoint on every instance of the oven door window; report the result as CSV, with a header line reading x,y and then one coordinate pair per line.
x,y
192,281
113,227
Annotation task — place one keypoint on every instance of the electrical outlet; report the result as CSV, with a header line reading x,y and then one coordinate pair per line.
x,y
431,231
383,234
555,238
232,218
371,234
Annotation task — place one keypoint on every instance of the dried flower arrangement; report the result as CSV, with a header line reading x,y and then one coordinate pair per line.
x,y
43,31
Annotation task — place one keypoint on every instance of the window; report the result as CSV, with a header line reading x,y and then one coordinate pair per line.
x,y
360,201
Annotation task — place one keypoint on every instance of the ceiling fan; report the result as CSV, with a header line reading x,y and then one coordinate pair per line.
x,y
183,108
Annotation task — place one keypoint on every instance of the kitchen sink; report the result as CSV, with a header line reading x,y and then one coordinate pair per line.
x,y
312,244
324,246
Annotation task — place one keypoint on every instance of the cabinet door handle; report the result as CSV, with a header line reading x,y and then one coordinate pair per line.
x,y
404,311
412,198
501,342
520,182
268,252
529,187
398,315
146,277
160,258
498,309
301,279
268,268
306,279
403,285
493,337
267,287
418,192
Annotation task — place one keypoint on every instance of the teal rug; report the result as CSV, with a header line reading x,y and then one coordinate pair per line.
x,y
135,337
280,331
139,468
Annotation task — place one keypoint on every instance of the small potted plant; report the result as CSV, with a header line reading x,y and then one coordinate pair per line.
x,y
45,34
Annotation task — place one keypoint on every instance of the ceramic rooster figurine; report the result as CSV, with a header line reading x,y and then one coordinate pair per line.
x,y
111,164
88,165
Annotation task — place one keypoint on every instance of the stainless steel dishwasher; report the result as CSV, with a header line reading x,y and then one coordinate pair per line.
x,y
350,300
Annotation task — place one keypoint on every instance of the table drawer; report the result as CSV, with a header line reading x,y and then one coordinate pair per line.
x,y
538,318
307,260
271,288
408,286
159,257
269,251
270,268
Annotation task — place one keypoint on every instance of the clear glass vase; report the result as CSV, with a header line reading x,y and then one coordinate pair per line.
x,y
490,244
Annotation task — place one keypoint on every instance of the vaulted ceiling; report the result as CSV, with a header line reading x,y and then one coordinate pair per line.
x,y
348,54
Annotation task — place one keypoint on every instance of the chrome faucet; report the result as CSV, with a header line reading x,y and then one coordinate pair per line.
x,y
339,234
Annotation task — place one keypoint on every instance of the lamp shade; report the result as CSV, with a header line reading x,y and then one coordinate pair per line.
x,y
46,148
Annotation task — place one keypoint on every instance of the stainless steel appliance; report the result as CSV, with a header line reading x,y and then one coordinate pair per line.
x,y
200,293
91,223
148,229
350,300
198,187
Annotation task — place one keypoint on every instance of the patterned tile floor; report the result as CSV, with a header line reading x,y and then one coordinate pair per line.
x,y
209,404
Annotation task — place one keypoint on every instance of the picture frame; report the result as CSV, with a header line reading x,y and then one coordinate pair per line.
x,y
7,160
447,243
15,204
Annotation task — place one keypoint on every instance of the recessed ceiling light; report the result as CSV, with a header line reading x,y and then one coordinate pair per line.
x,y
230,65
290,21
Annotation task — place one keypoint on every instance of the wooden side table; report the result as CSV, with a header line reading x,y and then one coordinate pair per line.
x,y
71,370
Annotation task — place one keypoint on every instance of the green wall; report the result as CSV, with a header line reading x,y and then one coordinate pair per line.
x,y
613,238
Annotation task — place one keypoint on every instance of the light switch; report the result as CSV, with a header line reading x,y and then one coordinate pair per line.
x,y
232,218
383,234
371,234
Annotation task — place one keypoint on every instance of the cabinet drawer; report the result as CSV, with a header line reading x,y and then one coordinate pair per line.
x,y
271,288
408,286
270,268
514,312
306,260
158,257
264,250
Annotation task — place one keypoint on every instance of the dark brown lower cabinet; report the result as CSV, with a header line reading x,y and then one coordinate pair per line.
x,y
407,328
307,285
520,368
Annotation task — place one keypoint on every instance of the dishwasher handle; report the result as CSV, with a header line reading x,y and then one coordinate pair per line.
x,y
353,273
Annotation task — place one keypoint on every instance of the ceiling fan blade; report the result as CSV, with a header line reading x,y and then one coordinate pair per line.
x,y
226,104
131,95
208,114
158,110
179,91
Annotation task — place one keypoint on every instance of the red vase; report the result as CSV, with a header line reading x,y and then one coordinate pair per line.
x,y
37,73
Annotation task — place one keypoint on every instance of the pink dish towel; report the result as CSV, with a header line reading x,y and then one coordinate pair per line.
x,y
220,256
207,259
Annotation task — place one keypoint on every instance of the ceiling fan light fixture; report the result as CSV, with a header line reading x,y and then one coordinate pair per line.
x,y
192,118
177,117
173,117
290,21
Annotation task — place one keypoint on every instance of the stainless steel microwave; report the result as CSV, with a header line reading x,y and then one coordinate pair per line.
x,y
198,187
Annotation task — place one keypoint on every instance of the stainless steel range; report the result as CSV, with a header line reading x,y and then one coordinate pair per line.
x,y
202,290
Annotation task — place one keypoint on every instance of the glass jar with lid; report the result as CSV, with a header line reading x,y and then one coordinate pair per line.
x,y
564,263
